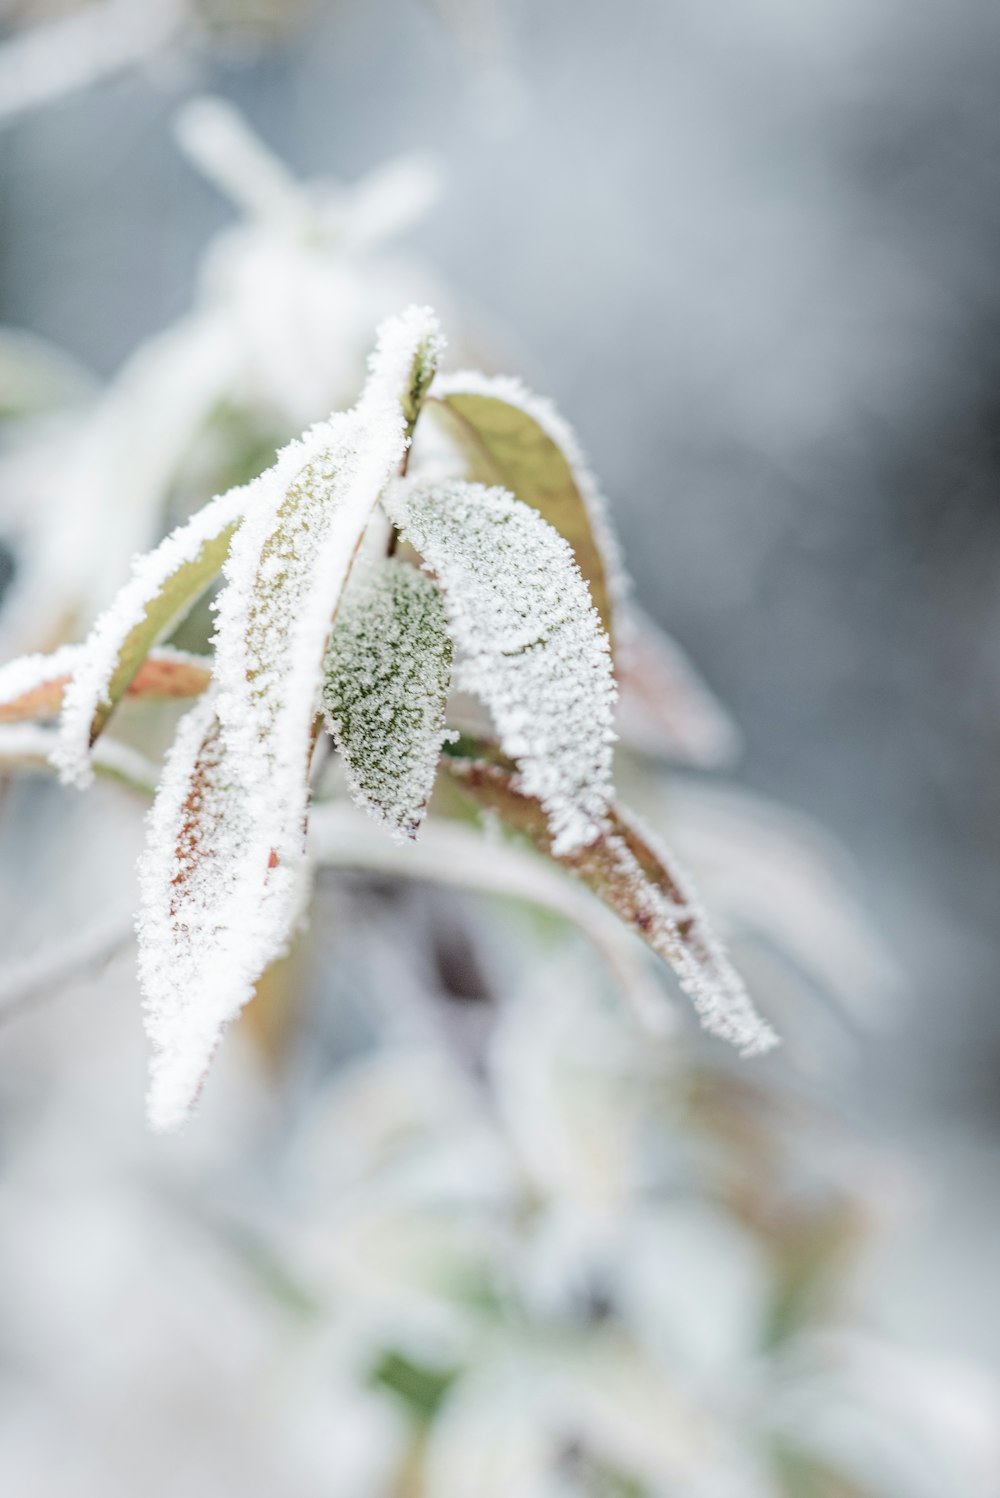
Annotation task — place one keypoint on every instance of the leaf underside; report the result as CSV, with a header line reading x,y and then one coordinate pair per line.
x,y
637,879
387,673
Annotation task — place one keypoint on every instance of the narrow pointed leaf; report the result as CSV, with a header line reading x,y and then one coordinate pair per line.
x,y
387,673
635,876
225,867
197,959
164,585
530,643
33,687
510,437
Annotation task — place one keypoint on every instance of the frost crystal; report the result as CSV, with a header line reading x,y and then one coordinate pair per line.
x,y
531,643
668,912
388,669
156,597
200,947
513,454
224,865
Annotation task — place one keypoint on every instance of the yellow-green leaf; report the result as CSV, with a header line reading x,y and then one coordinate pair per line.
x,y
511,438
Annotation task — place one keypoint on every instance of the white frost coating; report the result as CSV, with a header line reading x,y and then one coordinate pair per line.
x,y
541,410
30,672
198,954
531,643
683,937
99,653
387,672
223,872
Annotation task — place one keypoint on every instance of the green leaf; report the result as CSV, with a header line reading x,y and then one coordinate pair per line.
x,y
386,680
161,615
164,585
511,438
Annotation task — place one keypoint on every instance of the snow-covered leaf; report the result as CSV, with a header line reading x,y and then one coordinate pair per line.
x,y
197,949
513,438
225,865
387,673
636,877
164,585
33,686
530,642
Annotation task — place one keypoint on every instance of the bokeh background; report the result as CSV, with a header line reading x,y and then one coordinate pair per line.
x,y
753,251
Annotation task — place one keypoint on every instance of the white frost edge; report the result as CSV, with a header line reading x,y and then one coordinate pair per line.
x,y
544,412
98,655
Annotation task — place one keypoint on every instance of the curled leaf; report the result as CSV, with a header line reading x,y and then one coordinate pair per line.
x,y
636,877
388,668
511,437
530,642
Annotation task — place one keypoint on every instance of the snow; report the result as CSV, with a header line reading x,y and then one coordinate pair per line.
x,y
555,426
530,642
388,669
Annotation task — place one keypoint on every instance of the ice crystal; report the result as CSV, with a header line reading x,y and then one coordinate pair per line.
x,y
224,865
530,642
388,669
200,947
32,686
515,456
156,597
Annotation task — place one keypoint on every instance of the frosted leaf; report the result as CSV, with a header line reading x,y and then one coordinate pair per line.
x,y
224,868
387,673
199,945
635,875
530,642
511,437
34,686
164,585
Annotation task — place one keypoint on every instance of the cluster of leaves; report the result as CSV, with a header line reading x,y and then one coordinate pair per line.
x,y
359,595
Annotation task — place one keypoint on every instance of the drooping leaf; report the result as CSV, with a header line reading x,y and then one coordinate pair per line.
x,y
513,438
164,585
197,959
224,868
530,642
33,687
387,673
632,874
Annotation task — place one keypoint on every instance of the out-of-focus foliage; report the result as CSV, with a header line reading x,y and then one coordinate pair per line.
x,y
515,1242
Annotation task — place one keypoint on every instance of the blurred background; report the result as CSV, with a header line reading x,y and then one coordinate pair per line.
x,y
753,252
